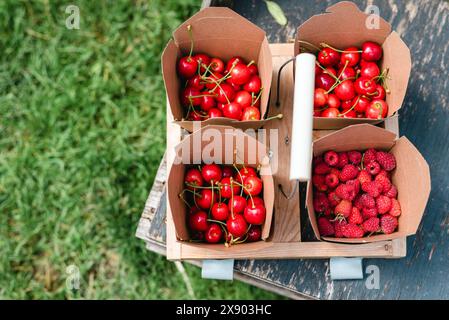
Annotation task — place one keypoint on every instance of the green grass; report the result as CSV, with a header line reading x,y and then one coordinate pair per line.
x,y
81,136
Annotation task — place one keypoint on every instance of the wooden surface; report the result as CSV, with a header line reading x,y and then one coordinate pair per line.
x,y
424,120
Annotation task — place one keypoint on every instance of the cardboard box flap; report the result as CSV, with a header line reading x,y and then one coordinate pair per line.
x,y
170,74
398,60
343,140
343,25
233,146
412,178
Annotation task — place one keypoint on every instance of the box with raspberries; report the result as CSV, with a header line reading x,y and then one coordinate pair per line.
x,y
217,70
367,186
224,199
362,67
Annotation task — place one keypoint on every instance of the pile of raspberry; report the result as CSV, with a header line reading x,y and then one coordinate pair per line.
x,y
353,193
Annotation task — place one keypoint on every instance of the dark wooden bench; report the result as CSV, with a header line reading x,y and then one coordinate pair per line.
x,y
424,25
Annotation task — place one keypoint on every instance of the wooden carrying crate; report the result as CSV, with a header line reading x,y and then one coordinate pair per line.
x,y
285,241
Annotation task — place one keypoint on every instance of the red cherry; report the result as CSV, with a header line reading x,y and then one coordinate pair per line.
x,y
220,106
371,51
253,70
330,71
328,57
330,113
225,188
197,235
380,93
207,102
215,113
244,173
361,103
317,113
233,61
203,60
227,172
346,73
243,98
345,90
250,113
216,65
378,109
211,79
198,116
193,177
253,186
320,98
324,81
254,234
346,104
256,201
256,103
255,214
365,86
234,86
187,67
220,211
205,198
254,84
348,114
318,70
188,93
240,74
195,82
198,221
224,93
351,55
194,209
370,70
237,204
214,233
211,172
233,110
333,101
237,226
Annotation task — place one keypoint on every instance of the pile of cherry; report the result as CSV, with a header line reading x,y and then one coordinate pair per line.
x,y
224,204
353,193
214,89
349,83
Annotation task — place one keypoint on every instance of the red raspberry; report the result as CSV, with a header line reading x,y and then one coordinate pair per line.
x,y
383,204
333,199
344,208
369,155
332,180
345,192
325,227
373,188
369,213
322,168
355,157
386,160
395,210
355,217
352,231
364,176
392,193
335,171
338,227
342,159
355,184
331,158
320,202
358,203
371,225
384,182
319,182
367,201
388,223
385,173
373,168
348,172
317,160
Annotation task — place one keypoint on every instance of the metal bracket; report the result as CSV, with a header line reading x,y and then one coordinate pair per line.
x,y
218,269
346,268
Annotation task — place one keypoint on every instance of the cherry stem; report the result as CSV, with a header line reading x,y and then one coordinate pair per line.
x,y
338,79
184,200
241,177
326,71
347,111
250,63
216,221
232,198
189,30
279,116
325,45
258,97
309,44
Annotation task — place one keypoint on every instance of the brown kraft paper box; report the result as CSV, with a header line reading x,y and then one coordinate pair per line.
x,y
411,176
344,25
245,149
222,33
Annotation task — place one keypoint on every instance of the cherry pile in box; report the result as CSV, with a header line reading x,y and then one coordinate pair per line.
x,y
213,88
353,193
349,83
225,204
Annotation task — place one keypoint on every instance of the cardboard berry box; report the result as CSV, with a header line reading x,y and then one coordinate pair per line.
x,y
196,149
411,176
222,33
344,25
